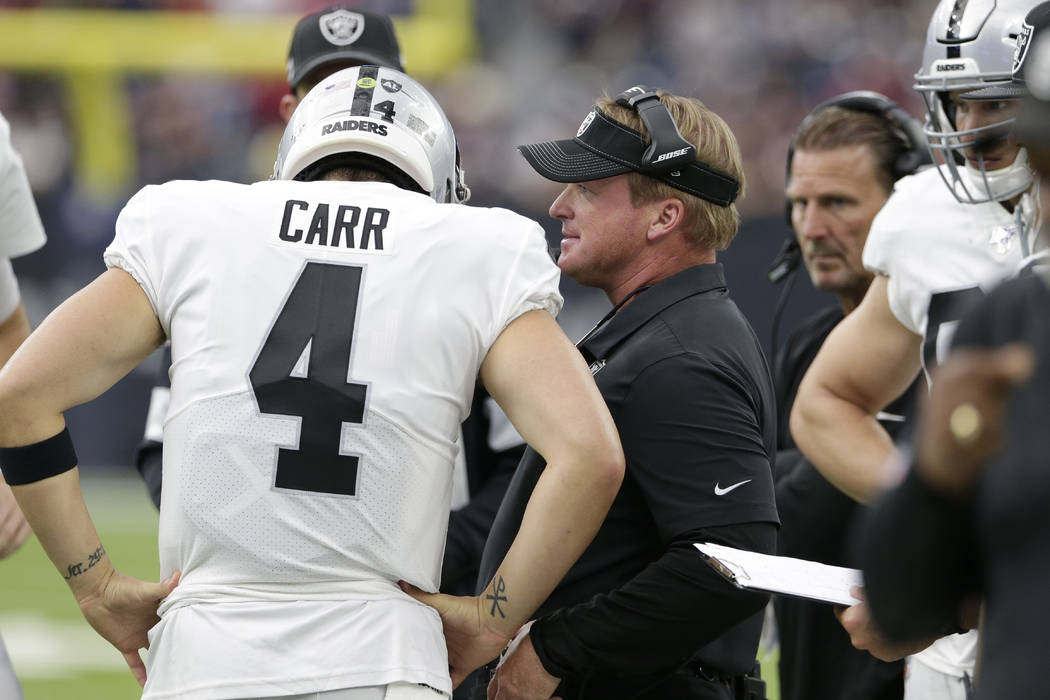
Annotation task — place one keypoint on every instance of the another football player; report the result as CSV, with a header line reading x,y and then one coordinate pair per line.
x,y
969,519
934,250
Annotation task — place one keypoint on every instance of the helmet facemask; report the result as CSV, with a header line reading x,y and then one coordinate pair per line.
x,y
952,149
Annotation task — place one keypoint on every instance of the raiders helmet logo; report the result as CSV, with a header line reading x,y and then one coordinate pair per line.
x,y
1024,39
390,85
342,27
586,122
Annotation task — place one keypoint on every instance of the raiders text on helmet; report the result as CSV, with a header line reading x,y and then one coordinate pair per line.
x,y
379,113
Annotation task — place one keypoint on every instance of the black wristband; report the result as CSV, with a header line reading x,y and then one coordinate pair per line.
x,y
38,461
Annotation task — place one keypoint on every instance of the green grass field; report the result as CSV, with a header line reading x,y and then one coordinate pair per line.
x,y
56,654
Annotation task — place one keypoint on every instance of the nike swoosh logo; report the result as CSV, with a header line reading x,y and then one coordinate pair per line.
x,y
721,492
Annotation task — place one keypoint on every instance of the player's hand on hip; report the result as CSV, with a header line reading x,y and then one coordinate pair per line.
x,y
961,425
14,530
470,643
122,610
520,675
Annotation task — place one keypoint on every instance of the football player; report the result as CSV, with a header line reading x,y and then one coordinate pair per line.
x,y
327,329
934,250
969,518
323,42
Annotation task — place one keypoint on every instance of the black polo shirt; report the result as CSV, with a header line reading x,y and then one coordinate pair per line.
x,y
687,384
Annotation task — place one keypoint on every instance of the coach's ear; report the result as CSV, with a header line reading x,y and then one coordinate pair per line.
x,y
287,106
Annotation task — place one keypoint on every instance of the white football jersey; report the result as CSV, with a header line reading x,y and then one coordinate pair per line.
x,y
325,340
939,256
21,231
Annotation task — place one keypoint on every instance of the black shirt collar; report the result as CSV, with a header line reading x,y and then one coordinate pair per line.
x,y
688,282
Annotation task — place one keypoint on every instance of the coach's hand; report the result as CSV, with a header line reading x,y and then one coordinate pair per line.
x,y
864,635
123,609
470,643
520,675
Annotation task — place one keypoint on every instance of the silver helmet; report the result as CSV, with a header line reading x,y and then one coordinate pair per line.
x,y
383,115
970,45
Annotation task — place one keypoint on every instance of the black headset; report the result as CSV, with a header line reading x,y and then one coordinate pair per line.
x,y
913,155
669,157
908,129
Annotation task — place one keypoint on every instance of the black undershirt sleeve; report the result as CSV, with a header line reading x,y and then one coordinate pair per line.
x,y
658,619
148,460
149,454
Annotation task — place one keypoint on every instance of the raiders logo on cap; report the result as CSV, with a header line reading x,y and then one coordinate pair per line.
x,y
342,27
390,85
586,122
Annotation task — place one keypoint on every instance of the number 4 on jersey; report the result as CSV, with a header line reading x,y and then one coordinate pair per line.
x,y
317,320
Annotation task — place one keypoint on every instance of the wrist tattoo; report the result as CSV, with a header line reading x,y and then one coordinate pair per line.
x,y
81,568
498,589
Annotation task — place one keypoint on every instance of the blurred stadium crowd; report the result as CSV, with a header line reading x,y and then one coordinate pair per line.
x,y
535,64
762,65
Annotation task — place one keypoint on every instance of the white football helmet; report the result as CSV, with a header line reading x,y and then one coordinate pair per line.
x,y
378,113
970,45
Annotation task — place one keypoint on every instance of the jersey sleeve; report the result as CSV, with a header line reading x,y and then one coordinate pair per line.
x,y
888,240
532,282
21,231
134,250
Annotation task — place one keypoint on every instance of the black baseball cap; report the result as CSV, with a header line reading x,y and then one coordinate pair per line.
x,y
1035,24
603,147
343,34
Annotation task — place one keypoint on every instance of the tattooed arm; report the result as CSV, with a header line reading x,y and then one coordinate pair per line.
x,y
79,351
546,389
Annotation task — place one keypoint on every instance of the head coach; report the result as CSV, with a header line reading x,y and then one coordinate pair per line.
x,y
651,181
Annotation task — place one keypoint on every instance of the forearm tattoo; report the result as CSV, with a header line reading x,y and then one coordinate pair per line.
x,y
82,568
497,596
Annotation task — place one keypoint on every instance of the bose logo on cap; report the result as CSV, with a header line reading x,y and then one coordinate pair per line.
x,y
671,154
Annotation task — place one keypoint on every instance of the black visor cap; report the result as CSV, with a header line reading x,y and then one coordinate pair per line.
x,y
604,148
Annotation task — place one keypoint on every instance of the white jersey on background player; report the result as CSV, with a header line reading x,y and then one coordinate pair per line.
x,y
350,509
939,254
21,232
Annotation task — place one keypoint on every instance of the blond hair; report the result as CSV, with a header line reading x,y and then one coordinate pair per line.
x,y
707,225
